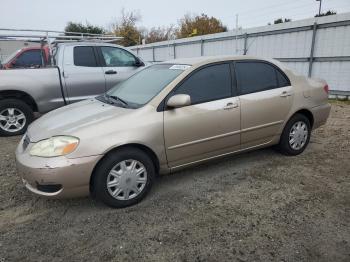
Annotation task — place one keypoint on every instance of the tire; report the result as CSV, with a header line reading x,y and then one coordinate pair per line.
x,y
125,181
302,124
22,116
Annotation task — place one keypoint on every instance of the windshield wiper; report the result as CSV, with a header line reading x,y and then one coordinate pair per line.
x,y
118,99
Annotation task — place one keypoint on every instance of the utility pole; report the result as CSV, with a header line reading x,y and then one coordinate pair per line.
x,y
236,34
319,8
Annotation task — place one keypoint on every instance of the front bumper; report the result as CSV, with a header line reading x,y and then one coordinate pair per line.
x,y
57,177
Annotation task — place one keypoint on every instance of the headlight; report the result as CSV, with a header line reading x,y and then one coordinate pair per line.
x,y
55,146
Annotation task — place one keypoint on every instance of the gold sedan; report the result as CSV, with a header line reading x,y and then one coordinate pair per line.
x,y
166,117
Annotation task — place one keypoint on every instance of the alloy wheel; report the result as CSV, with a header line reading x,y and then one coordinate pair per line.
x,y
12,120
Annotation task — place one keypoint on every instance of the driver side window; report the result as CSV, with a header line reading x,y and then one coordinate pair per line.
x,y
208,84
116,57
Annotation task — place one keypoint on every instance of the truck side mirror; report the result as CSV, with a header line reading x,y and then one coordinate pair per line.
x,y
138,62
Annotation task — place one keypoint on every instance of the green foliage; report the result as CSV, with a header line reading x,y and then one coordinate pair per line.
x,y
81,28
280,20
329,12
159,34
126,27
199,25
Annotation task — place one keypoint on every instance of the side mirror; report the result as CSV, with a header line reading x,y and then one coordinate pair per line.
x,y
138,62
178,101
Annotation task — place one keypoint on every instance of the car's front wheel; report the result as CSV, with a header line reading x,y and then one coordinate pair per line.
x,y
123,177
295,136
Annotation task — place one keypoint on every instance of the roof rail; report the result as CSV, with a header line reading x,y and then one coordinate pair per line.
x,y
45,34
52,37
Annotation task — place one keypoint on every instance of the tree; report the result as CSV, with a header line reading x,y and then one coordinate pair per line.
x,y
199,25
280,20
160,34
329,12
126,27
81,28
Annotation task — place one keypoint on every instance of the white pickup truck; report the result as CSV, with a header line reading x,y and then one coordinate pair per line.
x,y
80,70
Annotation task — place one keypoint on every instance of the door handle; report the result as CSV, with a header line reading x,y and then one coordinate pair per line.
x,y
285,94
110,72
230,105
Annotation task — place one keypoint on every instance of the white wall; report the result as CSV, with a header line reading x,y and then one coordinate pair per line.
x,y
331,42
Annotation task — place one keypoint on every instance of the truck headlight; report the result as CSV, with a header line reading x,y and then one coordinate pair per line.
x,y
55,146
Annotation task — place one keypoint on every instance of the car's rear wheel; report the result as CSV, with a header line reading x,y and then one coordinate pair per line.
x,y
15,116
123,177
295,136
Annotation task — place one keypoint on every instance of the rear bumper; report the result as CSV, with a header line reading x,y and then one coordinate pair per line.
x,y
321,114
57,177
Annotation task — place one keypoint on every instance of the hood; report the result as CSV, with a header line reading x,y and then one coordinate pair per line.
x,y
73,119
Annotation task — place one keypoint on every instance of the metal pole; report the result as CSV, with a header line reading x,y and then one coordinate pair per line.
x,y
245,44
50,48
236,34
319,8
311,59
174,50
202,47
153,55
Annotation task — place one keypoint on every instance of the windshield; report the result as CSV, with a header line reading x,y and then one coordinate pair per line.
x,y
144,85
10,57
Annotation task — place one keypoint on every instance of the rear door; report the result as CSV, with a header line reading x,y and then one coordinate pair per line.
x,y
266,98
210,126
83,76
117,64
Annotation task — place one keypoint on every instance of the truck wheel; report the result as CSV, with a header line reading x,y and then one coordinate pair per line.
x,y
15,116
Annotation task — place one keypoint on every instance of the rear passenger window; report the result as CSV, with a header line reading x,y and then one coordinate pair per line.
x,y
84,56
282,80
255,77
208,84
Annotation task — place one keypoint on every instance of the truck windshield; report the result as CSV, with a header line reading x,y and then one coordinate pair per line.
x,y
10,57
146,84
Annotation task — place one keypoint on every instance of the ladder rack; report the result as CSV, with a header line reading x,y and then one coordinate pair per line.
x,y
51,38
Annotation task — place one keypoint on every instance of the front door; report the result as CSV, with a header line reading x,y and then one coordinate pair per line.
x,y
118,64
266,99
210,126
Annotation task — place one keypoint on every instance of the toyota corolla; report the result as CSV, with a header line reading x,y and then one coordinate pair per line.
x,y
166,117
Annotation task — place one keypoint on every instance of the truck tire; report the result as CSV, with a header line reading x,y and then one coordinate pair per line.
x,y
15,116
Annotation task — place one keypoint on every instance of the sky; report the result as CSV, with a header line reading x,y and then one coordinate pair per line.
x,y
54,15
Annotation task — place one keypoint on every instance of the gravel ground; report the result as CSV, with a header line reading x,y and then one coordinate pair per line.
x,y
258,206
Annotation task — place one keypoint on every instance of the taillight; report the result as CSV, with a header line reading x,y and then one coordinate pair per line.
x,y
326,89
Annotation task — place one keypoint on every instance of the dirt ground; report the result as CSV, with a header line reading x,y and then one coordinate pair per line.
x,y
258,206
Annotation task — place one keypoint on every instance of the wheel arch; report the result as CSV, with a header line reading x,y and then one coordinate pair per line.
x,y
306,113
20,95
141,147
